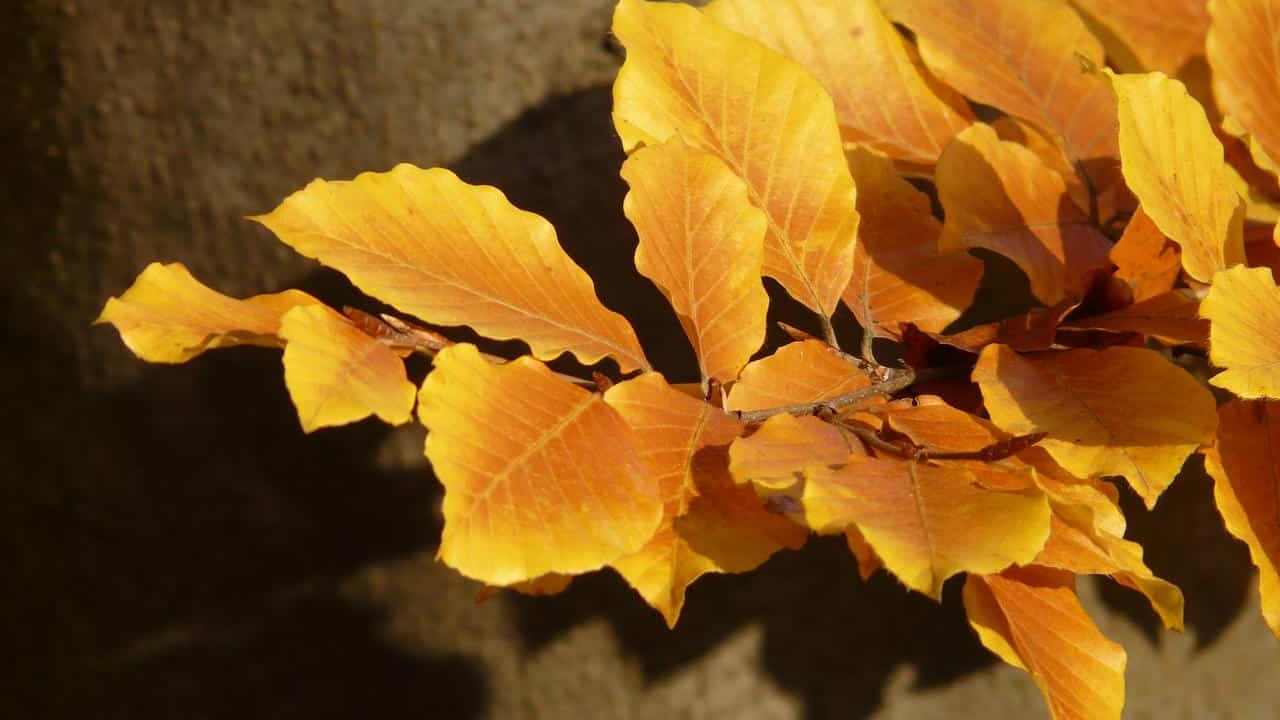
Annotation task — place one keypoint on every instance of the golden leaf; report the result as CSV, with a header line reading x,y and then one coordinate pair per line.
x,y
168,316
899,273
1174,164
1145,259
868,561
336,374
1243,309
885,98
456,254
784,446
1243,52
701,243
764,116
1033,620
1172,318
1153,35
540,476
800,372
999,195
930,422
1119,411
1245,468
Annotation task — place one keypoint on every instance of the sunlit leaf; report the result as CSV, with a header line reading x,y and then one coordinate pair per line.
x,y
886,100
783,446
1244,52
899,273
764,116
1152,35
1145,259
1172,318
1243,308
868,561
1119,411
336,374
1245,466
930,422
701,242
168,316
455,254
1033,620
1174,164
999,195
800,372
540,476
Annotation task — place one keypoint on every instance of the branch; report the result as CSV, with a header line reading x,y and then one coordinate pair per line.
x,y
895,382
908,450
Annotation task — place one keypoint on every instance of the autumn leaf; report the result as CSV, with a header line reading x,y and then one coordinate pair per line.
x,y
336,374
456,254
1034,330
1172,318
863,553
885,99
1153,35
1244,56
1032,619
1246,485
899,273
701,242
1145,259
1243,309
540,476
782,447
1119,411
800,372
764,116
930,422
168,316
999,195
1174,164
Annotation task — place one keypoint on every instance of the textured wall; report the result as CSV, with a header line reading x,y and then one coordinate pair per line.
x,y
175,546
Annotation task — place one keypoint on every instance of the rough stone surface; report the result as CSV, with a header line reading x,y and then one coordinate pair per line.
x,y
176,548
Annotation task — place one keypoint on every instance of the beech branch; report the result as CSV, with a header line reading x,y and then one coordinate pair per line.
x,y
908,450
898,380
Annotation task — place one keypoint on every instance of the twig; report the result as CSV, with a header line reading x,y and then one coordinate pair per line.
x,y
829,331
798,334
904,448
897,381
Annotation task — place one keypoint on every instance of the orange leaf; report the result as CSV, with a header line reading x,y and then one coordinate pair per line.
x,y
800,372
1246,71
868,561
885,98
1032,619
1036,329
701,243
540,476
776,453
1145,258
1246,485
899,274
456,254
1172,318
549,584
1119,411
1153,35
930,422
1243,308
337,374
999,195
168,316
764,116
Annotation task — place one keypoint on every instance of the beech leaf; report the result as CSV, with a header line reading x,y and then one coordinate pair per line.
x,y
780,449
799,372
1243,309
1145,258
1152,35
1172,318
1244,57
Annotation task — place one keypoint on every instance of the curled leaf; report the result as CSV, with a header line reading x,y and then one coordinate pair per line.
x,y
1145,259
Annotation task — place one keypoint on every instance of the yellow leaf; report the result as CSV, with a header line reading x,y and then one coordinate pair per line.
x,y
549,584
1001,196
336,374
899,273
1025,58
701,242
1032,619
1174,164
800,372
1153,35
456,254
1119,411
168,316
540,476
783,446
764,116
1246,485
920,519
1145,259
1172,318
886,100
1243,308
1245,57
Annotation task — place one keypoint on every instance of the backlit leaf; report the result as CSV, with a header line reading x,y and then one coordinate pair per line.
x,y
168,316
1145,259
455,254
783,446
1152,35
1119,411
1033,620
336,374
1243,308
1174,164
800,372
764,116
1244,52
885,99
1172,318
701,242
540,476
1245,466
999,195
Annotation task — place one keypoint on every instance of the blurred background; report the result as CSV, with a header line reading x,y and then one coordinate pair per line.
x,y
175,547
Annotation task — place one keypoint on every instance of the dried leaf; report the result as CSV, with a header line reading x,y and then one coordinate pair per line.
x,y
1243,309
1245,58
1172,318
456,254
800,372
781,448
1145,259
701,243
540,476
764,116
1152,35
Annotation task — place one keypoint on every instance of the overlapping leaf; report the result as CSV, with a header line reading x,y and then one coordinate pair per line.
x,y
1153,35
1145,259
800,372
884,97
764,116
782,447
1243,308
456,254
540,476
1119,411
1172,318
702,243
1245,58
